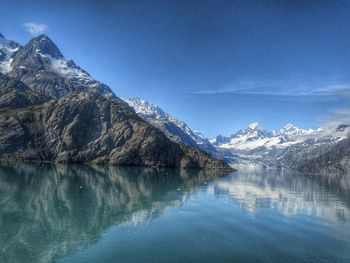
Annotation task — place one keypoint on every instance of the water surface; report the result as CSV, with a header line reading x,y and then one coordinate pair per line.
x,y
81,213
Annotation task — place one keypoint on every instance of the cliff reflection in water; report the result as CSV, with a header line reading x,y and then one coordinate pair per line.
x,y
49,210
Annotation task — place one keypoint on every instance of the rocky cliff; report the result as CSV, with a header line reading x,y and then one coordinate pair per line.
x,y
87,127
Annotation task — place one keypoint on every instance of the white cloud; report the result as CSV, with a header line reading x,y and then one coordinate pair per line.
x,y
35,29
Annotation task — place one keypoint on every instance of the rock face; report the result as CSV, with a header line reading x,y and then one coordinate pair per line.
x,y
333,161
87,127
15,94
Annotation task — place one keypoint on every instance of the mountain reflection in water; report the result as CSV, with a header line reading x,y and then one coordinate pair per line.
x,y
49,211
287,192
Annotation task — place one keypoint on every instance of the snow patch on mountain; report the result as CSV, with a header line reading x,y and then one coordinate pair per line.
x,y
175,129
68,69
255,137
148,109
257,146
8,49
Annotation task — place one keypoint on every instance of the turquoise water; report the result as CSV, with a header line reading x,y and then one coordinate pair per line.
x,y
80,213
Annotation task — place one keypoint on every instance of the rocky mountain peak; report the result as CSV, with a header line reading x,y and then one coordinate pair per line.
x,y
254,126
254,130
291,130
289,126
42,45
1,36
41,66
146,108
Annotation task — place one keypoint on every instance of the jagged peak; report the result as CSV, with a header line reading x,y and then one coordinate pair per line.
x,y
146,108
254,125
145,103
289,126
44,45
139,100
1,36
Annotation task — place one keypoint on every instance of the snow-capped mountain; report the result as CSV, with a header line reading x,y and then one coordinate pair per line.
x,y
147,109
8,49
255,137
290,131
255,145
175,129
254,131
42,66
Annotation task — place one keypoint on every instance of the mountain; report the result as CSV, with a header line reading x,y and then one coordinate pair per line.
x,y
8,50
175,130
333,161
86,127
301,155
290,131
288,147
52,110
255,137
42,67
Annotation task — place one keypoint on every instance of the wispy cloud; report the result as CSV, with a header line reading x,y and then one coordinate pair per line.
x,y
35,29
283,87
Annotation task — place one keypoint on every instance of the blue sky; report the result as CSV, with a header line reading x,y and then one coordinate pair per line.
x,y
218,65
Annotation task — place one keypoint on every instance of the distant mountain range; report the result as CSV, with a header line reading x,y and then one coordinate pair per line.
x,y
286,148
53,110
289,147
255,137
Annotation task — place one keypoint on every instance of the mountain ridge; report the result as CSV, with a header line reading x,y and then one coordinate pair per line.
x,y
58,112
176,130
42,66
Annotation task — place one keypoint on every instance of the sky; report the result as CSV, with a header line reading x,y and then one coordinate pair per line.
x,y
217,65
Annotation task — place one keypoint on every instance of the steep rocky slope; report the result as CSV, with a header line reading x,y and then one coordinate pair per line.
x,y
15,94
175,130
87,127
333,161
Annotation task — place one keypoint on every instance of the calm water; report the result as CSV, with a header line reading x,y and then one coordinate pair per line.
x,y
78,213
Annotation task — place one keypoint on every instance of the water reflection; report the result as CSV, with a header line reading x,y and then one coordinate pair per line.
x,y
288,193
49,210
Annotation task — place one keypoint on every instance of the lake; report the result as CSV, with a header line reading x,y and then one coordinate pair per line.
x,y
81,213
